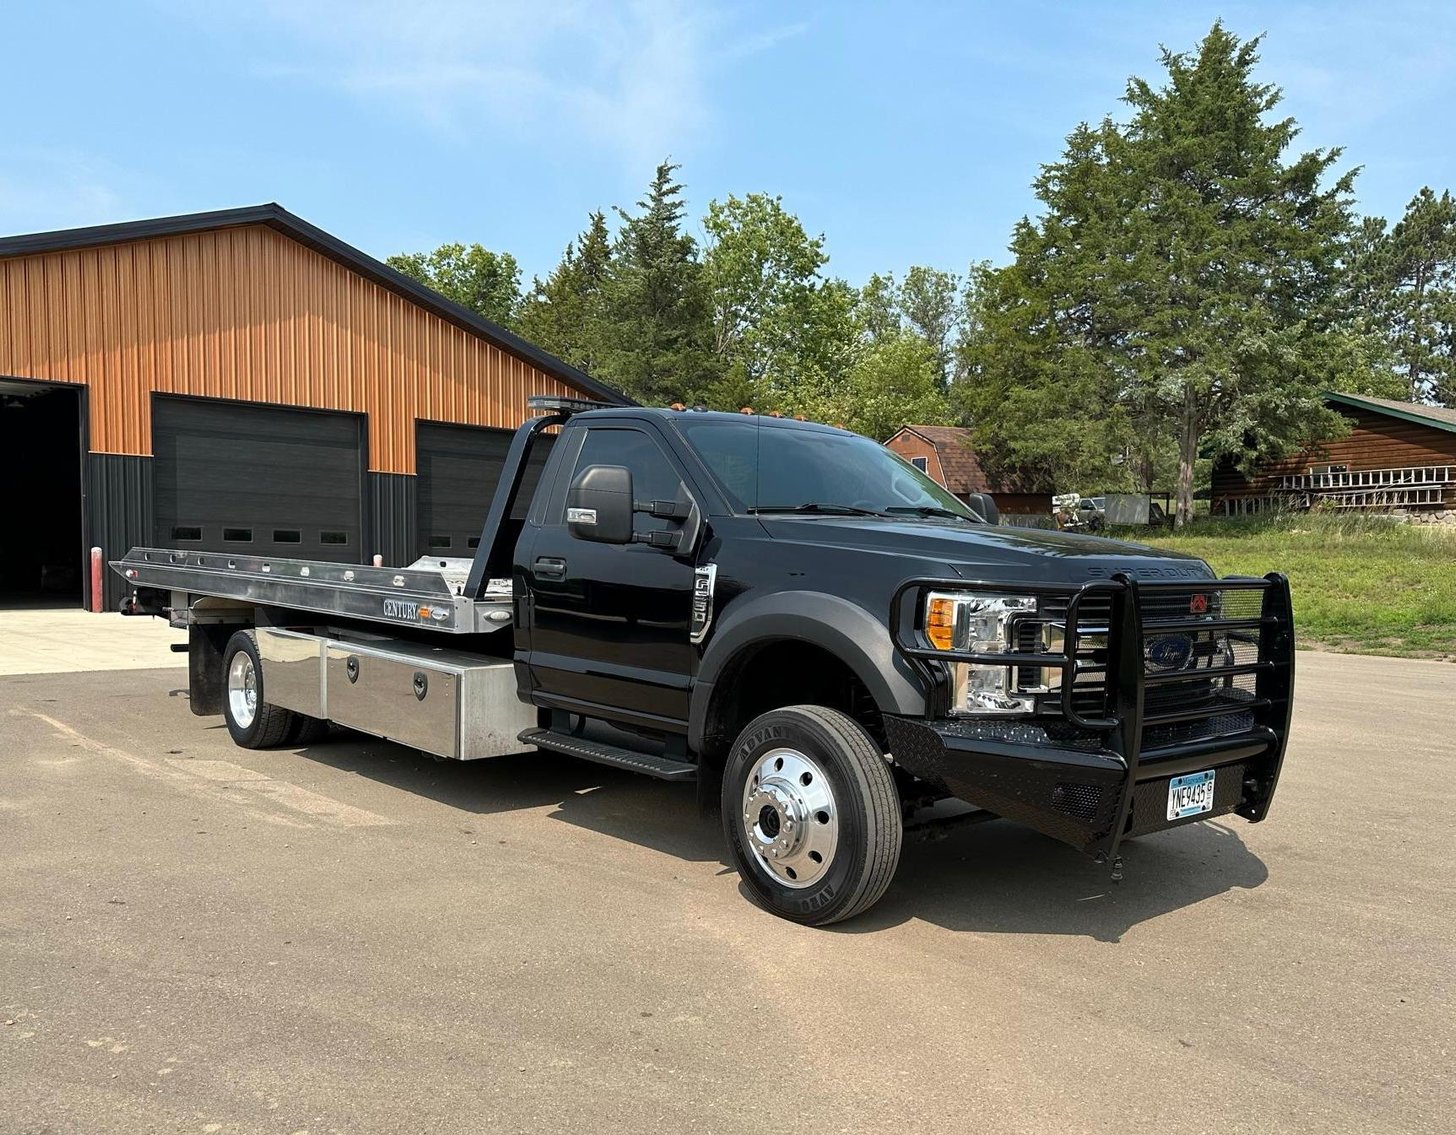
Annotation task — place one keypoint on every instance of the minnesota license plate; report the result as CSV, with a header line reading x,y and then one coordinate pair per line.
x,y
1189,795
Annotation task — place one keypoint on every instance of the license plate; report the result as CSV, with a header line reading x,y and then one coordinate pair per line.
x,y
1190,795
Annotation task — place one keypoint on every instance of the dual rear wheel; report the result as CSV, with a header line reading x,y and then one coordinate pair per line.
x,y
251,721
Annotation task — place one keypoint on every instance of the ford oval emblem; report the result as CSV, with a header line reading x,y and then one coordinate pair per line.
x,y
1170,652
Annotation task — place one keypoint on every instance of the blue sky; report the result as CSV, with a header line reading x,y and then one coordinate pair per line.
x,y
906,133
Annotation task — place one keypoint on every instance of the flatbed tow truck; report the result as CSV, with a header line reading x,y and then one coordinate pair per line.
x,y
824,640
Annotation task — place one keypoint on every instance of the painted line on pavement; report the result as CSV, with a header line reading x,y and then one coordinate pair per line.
x,y
281,792
220,781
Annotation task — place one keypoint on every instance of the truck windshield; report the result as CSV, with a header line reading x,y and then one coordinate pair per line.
x,y
768,468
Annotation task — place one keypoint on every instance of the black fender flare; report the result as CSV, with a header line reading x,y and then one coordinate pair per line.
x,y
843,629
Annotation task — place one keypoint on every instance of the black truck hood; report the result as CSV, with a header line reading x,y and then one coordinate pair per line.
x,y
988,551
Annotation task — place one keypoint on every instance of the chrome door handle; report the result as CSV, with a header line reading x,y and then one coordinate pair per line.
x,y
550,567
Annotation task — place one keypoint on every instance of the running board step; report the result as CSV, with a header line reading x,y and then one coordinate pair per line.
x,y
663,768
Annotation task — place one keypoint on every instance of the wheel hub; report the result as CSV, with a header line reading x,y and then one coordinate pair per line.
x,y
242,689
790,821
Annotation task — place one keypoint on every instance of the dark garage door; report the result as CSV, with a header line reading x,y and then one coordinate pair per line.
x,y
458,468
261,480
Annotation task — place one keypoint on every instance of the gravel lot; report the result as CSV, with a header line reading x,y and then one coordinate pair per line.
x,y
354,938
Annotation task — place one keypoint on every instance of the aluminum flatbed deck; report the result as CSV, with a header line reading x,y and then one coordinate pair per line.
x,y
430,594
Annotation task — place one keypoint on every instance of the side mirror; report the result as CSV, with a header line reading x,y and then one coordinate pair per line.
x,y
985,505
686,509
599,504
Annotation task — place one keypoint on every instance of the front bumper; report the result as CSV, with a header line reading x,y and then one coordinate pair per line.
x,y
1077,796
1108,775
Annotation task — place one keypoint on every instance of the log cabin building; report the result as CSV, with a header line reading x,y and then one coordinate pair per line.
x,y
1398,457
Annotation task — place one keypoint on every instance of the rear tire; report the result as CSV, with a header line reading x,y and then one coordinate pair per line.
x,y
307,730
252,722
811,815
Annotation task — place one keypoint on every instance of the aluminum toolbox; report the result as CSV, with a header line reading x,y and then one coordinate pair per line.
x,y
431,698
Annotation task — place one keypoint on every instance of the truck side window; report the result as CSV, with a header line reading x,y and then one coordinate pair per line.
x,y
653,475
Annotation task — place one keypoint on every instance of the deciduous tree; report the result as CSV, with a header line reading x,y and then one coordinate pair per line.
x,y
782,331
486,282
894,382
929,300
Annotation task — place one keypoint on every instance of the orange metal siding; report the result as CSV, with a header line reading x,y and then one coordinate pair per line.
x,y
247,313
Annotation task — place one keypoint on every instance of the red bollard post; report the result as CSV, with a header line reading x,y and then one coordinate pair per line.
x,y
96,581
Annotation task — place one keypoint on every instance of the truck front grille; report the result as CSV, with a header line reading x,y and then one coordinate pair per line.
x,y
1213,659
1202,651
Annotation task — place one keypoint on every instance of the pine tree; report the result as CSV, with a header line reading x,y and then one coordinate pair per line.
x,y
659,334
1178,285
1417,264
566,313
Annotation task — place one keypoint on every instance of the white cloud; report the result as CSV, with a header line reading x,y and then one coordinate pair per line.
x,y
765,40
59,189
629,80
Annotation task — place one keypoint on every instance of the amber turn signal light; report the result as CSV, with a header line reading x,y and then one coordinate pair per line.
x,y
940,623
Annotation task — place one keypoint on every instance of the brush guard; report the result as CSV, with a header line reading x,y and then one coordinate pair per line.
x,y
1155,680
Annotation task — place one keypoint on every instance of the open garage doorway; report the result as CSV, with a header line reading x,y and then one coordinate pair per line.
x,y
42,557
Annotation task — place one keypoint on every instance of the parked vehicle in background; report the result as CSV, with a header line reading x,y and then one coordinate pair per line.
x,y
826,641
1079,513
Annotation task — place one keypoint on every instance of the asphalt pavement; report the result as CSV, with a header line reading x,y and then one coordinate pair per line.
x,y
355,938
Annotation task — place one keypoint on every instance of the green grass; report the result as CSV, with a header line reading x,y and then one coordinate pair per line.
x,y
1361,584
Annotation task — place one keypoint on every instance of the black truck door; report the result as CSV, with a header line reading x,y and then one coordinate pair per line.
x,y
609,622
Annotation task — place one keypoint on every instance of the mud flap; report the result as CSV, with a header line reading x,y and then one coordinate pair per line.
x,y
205,645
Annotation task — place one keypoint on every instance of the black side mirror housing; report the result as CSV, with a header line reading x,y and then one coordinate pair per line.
x,y
686,509
599,504
985,505
599,507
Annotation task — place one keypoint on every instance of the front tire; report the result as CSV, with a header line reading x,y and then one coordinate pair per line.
x,y
252,722
811,815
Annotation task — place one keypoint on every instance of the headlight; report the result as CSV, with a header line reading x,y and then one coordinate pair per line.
x,y
979,624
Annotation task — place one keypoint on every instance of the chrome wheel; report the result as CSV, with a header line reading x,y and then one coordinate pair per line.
x,y
790,821
242,690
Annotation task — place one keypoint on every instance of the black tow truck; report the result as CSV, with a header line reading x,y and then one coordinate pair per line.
x,y
826,641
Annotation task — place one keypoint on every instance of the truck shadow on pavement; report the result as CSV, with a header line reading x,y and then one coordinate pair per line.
x,y
624,805
1001,878
993,878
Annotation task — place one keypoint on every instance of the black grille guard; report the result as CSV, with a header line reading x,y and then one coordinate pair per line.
x,y
1126,681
